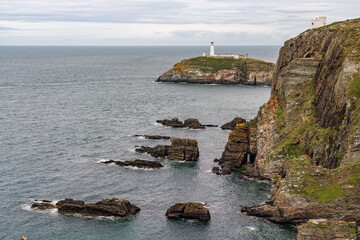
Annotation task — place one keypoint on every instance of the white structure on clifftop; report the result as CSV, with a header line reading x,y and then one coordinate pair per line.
x,y
212,49
222,55
318,22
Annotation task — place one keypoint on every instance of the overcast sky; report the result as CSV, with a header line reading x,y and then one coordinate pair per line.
x,y
163,22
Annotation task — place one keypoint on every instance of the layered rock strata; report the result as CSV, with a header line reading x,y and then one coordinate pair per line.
x,y
189,210
181,149
307,135
207,70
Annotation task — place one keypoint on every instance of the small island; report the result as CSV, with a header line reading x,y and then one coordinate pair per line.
x,y
221,69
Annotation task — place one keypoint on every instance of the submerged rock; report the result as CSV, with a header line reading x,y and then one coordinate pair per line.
x,y
231,125
154,137
189,210
43,205
106,207
137,163
181,149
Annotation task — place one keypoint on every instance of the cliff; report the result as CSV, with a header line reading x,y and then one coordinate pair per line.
x,y
208,70
308,135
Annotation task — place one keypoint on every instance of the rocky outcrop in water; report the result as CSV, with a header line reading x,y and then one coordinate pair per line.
x,y
231,125
307,135
136,163
106,207
191,123
189,210
207,70
181,149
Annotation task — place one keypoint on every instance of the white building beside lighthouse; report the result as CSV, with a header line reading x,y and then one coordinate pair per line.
x,y
318,22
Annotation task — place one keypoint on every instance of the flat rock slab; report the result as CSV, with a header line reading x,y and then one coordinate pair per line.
x,y
137,163
189,210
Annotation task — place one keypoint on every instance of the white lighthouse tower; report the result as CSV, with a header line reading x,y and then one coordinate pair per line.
x,y
212,49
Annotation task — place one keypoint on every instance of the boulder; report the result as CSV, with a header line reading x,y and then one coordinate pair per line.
x,y
181,149
137,163
43,205
231,125
106,207
216,170
189,210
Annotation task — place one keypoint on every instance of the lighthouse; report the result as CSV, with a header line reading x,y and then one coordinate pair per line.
x,y
212,49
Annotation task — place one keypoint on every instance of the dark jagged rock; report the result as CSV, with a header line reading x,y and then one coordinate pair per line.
x,y
137,163
154,137
193,123
189,210
43,206
231,125
183,149
172,123
106,207
159,151
216,170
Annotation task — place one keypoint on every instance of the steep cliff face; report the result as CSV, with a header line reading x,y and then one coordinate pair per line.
x,y
308,134
207,70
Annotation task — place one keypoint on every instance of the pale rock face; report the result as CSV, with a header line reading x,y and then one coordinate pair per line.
x,y
260,78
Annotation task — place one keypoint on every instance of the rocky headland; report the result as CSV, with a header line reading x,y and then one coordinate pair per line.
x,y
209,70
306,138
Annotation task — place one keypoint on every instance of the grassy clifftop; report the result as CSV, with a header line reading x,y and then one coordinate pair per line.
x,y
212,65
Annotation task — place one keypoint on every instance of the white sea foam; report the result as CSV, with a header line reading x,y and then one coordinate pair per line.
x,y
156,124
251,228
132,150
27,207
102,160
141,137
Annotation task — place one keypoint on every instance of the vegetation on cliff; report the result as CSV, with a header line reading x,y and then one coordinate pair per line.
x,y
212,65
308,134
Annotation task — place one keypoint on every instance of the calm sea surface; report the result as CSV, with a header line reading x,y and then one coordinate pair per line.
x,y
64,109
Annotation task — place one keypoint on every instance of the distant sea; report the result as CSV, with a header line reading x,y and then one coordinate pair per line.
x,y
63,110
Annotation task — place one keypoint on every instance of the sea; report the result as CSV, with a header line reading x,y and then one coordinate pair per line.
x,y
65,110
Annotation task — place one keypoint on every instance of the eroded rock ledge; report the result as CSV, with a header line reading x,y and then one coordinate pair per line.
x,y
207,70
181,149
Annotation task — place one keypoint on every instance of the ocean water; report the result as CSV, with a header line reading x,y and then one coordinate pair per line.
x,y
65,109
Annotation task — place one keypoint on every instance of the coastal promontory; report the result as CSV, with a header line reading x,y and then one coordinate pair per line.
x,y
306,138
217,70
